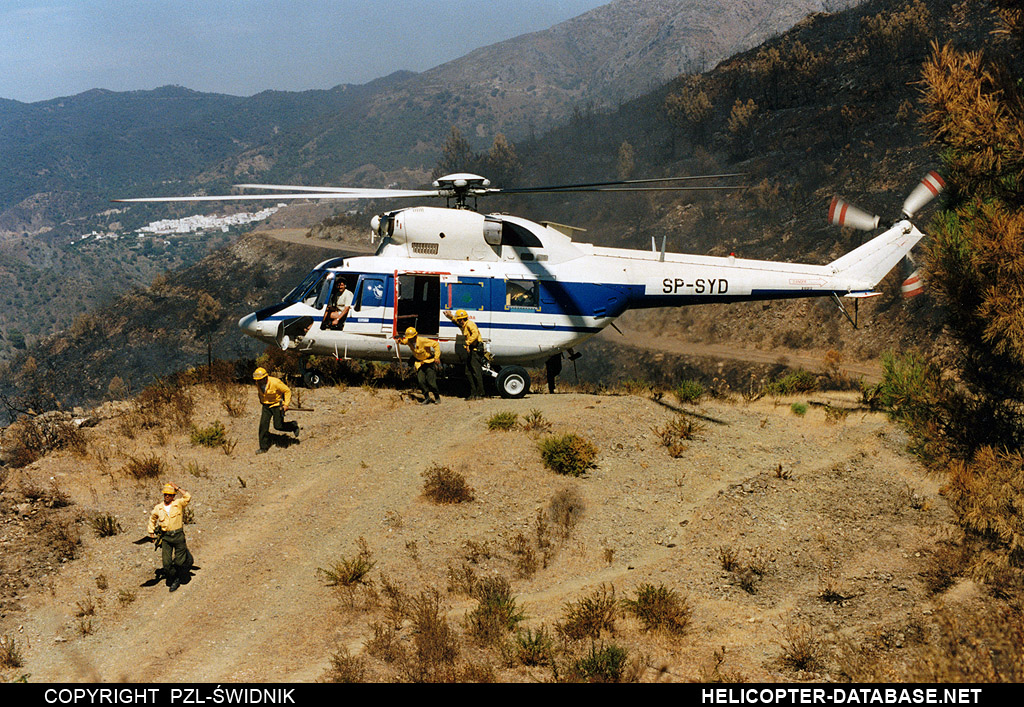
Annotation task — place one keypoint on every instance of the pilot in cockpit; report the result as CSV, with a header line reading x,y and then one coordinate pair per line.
x,y
338,307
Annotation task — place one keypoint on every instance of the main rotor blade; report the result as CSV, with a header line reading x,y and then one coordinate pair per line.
x,y
842,213
565,190
371,193
929,188
340,196
578,187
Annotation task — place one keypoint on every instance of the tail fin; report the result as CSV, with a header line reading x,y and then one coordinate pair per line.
x,y
872,261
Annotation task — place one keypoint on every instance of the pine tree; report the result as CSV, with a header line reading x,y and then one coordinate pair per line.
x,y
456,156
976,115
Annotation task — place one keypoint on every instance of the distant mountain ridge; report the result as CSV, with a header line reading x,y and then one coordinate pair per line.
x,y
69,155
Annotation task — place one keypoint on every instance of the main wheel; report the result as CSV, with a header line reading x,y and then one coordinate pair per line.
x,y
311,379
513,382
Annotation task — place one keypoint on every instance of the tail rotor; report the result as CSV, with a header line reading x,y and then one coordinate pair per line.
x,y
845,214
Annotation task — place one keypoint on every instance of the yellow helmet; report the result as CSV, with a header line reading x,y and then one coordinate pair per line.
x,y
461,314
169,489
259,374
411,332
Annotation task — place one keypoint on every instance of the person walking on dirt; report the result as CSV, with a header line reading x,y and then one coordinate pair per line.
x,y
426,354
275,397
474,352
168,518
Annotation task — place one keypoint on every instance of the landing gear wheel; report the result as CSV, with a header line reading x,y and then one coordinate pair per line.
x,y
513,382
311,379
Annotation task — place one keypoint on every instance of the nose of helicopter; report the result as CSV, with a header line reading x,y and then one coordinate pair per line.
x,y
249,325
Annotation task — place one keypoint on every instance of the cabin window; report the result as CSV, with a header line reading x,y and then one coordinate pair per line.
x,y
521,294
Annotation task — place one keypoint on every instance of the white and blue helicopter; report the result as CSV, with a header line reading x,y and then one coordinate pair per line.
x,y
532,290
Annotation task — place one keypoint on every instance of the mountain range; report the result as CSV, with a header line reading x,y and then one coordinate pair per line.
x,y
67,157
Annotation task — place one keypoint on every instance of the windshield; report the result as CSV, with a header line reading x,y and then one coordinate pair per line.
x,y
308,289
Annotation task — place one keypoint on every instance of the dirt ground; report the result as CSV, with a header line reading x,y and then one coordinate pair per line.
x,y
815,504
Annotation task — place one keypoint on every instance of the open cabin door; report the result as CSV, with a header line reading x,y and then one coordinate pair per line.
x,y
417,303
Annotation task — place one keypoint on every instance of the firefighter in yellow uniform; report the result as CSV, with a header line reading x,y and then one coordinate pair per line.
x,y
426,354
169,518
275,397
473,351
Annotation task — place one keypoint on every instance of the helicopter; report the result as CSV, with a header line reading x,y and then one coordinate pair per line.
x,y
531,288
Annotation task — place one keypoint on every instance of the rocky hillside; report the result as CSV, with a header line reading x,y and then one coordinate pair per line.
x,y
783,547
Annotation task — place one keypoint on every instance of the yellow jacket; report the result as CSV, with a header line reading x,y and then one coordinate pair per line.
x,y
470,330
425,350
169,518
472,333
275,393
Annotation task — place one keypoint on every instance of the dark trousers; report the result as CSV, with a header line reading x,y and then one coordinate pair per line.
x,y
554,367
279,424
475,371
176,556
426,378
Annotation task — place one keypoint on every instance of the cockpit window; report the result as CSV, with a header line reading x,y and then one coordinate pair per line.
x,y
515,235
521,293
312,281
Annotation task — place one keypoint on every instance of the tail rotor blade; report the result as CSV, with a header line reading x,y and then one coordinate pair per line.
x,y
929,188
842,213
913,285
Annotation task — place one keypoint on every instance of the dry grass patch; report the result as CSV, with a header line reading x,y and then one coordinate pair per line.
x,y
105,525
146,467
10,654
676,433
443,485
348,572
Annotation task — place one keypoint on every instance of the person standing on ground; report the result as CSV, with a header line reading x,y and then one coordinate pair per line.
x,y
553,367
427,354
474,351
275,397
169,518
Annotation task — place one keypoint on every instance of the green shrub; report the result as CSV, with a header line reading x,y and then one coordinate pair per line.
x,y
504,421
443,485
568,454
798,381
589,616
659,608
213,436
606,663
909,390
689,391
798,409
496,614
534,647
535,422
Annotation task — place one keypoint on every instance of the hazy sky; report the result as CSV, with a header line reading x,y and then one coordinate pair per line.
x,y
241,47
